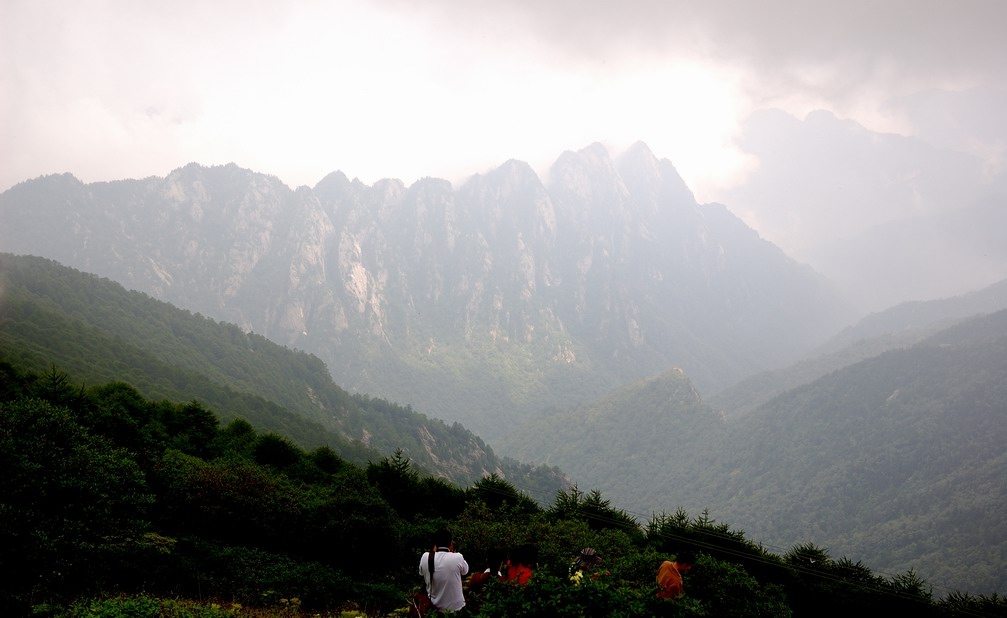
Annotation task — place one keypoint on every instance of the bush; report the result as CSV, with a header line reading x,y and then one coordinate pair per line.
x,y
144,606
258,578
68,500
726,589
548,595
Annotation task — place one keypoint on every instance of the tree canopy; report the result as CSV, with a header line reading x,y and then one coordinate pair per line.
x,y
107,495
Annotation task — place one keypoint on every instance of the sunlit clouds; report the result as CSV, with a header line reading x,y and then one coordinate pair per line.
x,y
112,89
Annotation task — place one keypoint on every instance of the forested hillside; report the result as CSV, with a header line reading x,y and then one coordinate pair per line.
x,y
638,443
896,457
98,332
110,502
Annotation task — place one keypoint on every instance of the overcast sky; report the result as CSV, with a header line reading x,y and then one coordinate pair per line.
x,y
295,88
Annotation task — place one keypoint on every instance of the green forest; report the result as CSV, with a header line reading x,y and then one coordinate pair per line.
x,y
115,504
158,463
99,332
897,458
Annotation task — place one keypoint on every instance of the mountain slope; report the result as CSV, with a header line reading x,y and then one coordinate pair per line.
x,y
631,442
923,315
902,325
97,331
481,304
898,458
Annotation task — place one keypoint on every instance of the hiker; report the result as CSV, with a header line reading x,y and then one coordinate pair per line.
x,y
475,585
669,577
520,565
442,569
493,569
584,562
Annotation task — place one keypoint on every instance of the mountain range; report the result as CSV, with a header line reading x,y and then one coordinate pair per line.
x,y
578,321
482,304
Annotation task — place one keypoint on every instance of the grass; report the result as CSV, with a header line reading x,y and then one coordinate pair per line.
x,y
145,606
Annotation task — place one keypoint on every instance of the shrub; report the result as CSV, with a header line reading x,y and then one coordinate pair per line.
x,y
68,499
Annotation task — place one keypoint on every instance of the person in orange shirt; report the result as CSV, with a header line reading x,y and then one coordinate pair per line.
x,y
669,578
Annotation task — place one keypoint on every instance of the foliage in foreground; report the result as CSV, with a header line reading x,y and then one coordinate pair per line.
x,y
112,504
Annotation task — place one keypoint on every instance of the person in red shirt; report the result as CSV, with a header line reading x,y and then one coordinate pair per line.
x,y
519,567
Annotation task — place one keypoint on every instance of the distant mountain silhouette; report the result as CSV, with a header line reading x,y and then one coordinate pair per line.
x,y
902,325
480,304
888,218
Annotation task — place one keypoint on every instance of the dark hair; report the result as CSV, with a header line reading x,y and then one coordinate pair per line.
x,y
495,559
442,538
526,555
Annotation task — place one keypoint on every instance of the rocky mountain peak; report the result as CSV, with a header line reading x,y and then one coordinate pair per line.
x,y
585,172
652,181
334,184
476,303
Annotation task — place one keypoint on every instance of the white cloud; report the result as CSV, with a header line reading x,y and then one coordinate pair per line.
x,y
108,89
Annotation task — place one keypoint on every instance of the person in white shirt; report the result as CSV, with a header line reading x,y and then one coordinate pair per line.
x,y
442,569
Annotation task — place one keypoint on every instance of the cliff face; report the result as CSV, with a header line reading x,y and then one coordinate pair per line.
x,y
481,303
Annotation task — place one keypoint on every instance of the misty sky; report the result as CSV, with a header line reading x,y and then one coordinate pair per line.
x,y
116,88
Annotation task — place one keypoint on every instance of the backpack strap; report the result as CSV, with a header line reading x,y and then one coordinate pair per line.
x,y
430,569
